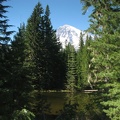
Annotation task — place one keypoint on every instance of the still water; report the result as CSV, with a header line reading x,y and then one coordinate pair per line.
x,y
87,104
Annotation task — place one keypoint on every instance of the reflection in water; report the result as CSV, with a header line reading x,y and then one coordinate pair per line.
x,y
77,106
56,100
87,107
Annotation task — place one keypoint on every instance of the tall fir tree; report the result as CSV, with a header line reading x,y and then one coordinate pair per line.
x,y
79,62
35,59
71,69
21,85
42,54
83,59
105,20
4,32
63,67
35,56
34,51
43,48
5,73
52,51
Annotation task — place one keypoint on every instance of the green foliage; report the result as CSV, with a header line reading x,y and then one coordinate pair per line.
x,y
79,62
23,115
71,68
105,16
4,33
42,50
105,51
33,46
106,58
83,61
112,104
5,72
35,61
21,84
52,54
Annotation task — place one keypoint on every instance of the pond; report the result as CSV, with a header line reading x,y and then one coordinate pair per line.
x,y
88,107
57,100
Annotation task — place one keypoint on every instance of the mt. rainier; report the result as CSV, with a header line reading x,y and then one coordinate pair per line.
x,y
67,33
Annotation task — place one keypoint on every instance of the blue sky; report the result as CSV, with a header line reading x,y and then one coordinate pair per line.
x,y
62,12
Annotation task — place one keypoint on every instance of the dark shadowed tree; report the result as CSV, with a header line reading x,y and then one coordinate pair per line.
x,y
5,73
53,55
21,85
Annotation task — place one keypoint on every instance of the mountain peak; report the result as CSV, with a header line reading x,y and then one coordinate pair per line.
x,y
68,33
67,26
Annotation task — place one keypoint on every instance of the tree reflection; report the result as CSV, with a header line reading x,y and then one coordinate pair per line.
x,y
77,106
82,107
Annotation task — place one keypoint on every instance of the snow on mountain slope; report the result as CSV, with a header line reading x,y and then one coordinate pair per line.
x,y
67,33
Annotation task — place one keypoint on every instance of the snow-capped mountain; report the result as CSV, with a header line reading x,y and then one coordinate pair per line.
x,y
67,33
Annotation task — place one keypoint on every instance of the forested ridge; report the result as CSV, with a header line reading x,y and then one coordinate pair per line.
x,y
34,61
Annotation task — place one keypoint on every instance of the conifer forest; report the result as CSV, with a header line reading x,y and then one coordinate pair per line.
x,y
34,62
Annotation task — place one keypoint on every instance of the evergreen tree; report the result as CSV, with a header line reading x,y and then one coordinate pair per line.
x,y
5,91
63,68
35,55
42,55
43,50
4,32
34,52
112,100
83,60
105,49
79,62
71,69
52,51
66,52
21,85
85,64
